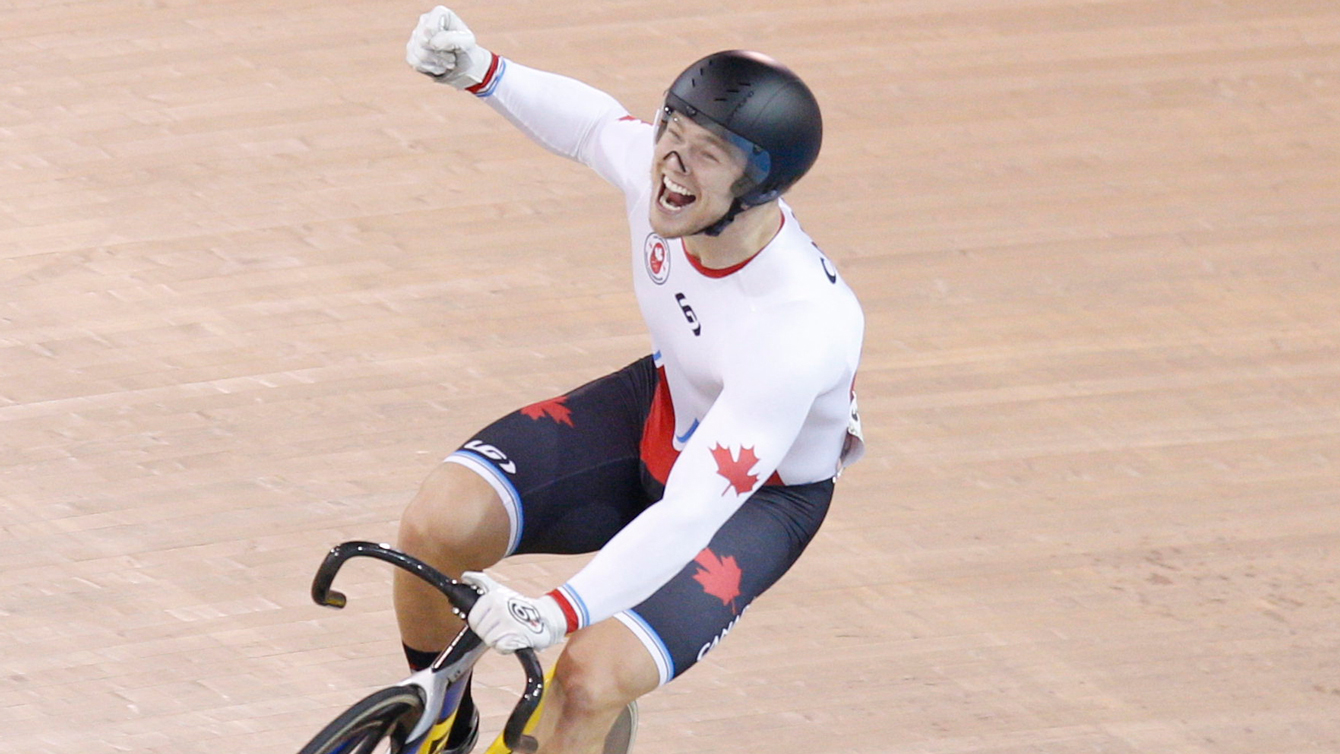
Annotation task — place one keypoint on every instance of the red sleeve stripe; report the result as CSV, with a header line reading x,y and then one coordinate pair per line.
x,y
491,78
571,607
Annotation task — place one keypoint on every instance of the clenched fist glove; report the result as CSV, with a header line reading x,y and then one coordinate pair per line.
x,y
507,621
443,47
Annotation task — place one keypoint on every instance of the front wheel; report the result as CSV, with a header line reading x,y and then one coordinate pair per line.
x,y
384,717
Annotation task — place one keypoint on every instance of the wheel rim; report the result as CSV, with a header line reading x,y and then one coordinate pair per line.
x,y
384,717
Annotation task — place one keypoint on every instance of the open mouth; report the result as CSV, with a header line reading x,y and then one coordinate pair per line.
x,y
674,197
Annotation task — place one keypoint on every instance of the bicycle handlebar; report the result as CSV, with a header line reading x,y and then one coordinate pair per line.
x,y
462,598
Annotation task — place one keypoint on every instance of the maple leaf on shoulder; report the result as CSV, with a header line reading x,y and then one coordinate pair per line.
x,y
552,408
736,470
719,576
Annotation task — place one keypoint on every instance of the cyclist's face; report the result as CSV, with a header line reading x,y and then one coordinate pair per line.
x,y
692,173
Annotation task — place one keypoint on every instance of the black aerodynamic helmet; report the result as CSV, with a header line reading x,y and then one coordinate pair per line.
x,y
760,106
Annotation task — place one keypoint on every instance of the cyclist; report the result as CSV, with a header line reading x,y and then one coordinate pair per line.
x,y
697,474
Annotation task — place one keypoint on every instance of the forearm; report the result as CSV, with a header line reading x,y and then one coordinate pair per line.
x,y
559,113
643,557
738,446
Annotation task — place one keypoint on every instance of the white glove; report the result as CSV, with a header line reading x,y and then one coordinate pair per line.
x,y
443,47
507,621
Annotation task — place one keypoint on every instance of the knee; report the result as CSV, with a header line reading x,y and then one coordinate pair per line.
x,y
594,681
455,520
588,691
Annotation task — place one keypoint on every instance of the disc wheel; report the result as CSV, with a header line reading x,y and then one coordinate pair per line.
x,y
378,723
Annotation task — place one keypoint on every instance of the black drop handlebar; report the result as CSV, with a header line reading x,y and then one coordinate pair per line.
x,y
462,598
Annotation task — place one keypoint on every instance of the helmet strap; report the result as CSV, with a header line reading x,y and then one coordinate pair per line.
x,y
715,229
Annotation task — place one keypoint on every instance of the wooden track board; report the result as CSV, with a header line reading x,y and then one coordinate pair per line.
x,y
258,277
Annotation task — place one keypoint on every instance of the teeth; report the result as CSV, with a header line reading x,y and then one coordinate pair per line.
x,y
675,187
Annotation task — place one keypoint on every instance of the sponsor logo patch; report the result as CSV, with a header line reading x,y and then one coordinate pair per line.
x,y
656,255
689,315
493,454
526,615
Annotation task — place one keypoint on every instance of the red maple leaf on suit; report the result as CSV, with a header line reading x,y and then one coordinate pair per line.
x,y
552,408
719,576
657,258
736,470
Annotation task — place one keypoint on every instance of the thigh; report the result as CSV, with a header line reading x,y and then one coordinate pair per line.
x,y
568,469
694,611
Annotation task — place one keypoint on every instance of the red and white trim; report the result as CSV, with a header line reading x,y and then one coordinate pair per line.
x,y
660,654
726,271
574,610
485,88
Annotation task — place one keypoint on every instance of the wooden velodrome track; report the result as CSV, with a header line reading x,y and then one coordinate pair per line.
x,y
258,277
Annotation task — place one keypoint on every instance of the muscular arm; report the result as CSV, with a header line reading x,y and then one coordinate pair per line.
x,y
768,390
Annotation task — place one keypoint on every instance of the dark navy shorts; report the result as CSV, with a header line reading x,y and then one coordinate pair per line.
x,y
571,473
